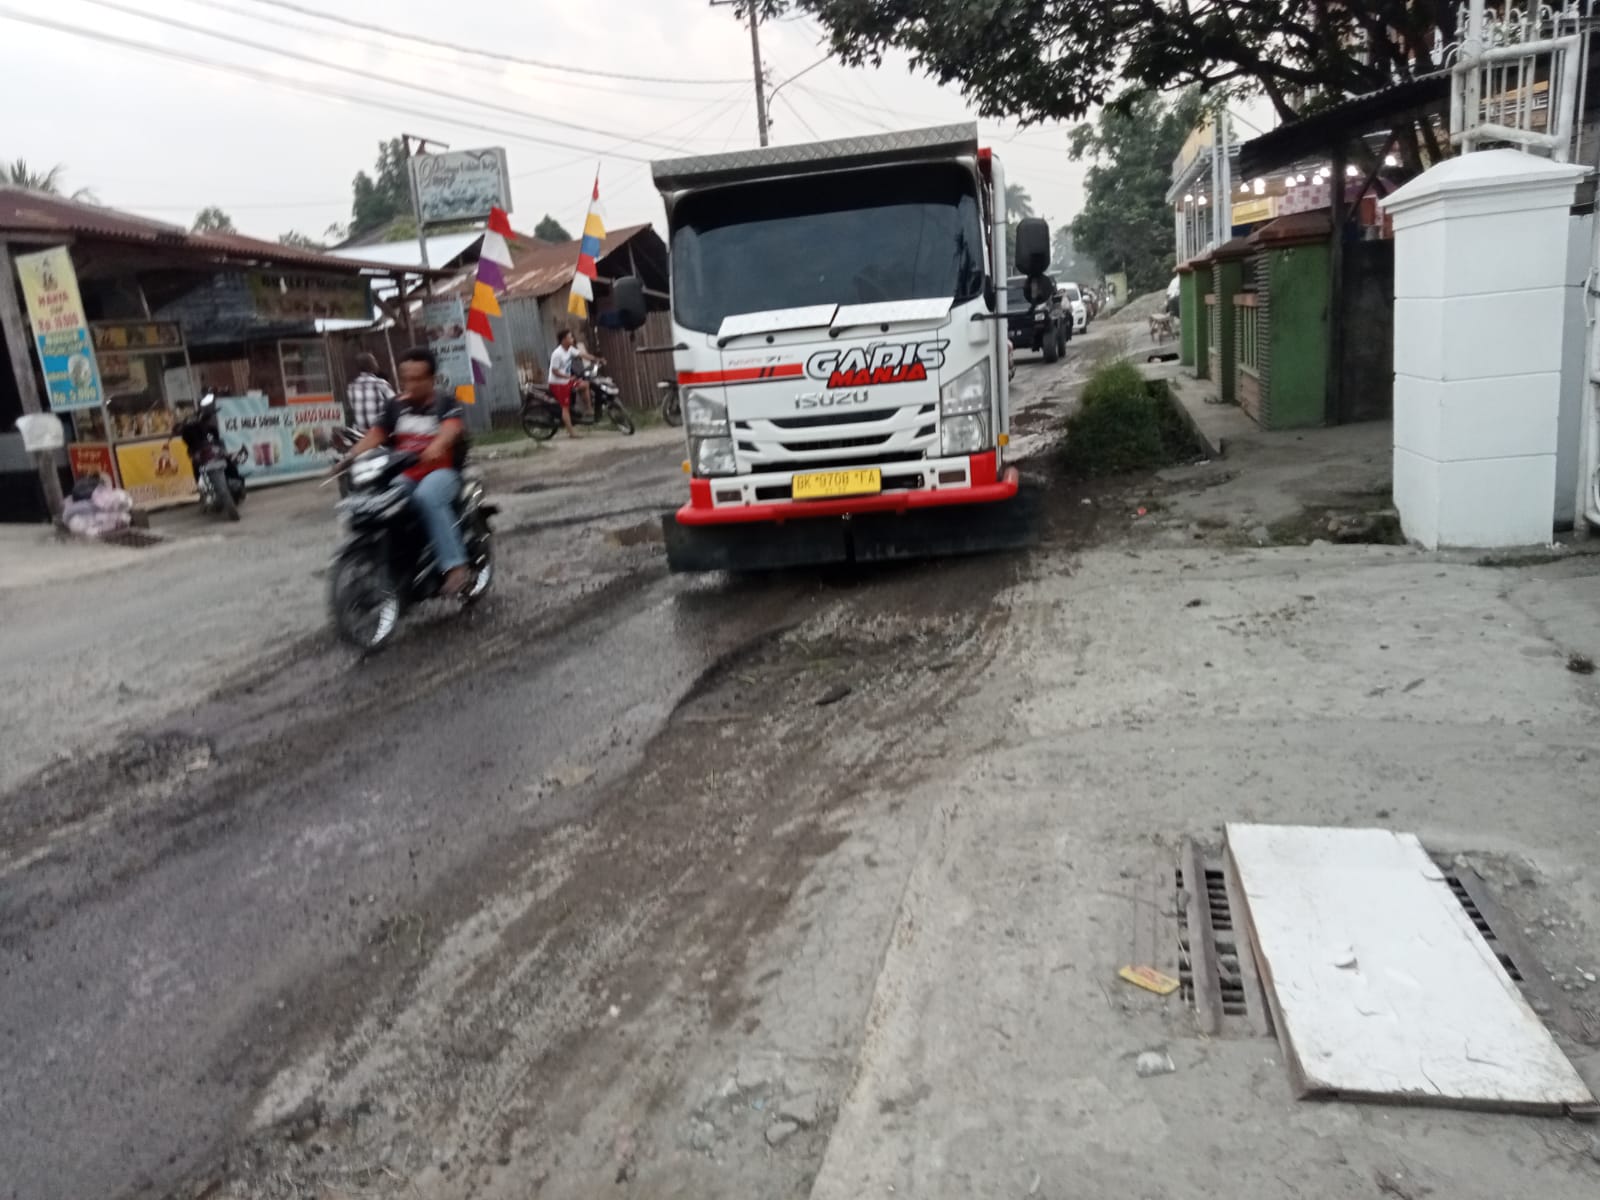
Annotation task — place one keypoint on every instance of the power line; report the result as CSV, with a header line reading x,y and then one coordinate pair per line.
x,y
296,85
798,117
374,76
496,55
427,53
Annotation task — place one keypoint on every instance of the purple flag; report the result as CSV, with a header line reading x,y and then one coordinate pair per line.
x,y
479,375
490,273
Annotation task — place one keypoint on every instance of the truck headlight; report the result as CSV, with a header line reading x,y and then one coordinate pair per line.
x,y
713,456
963,435
705,415
968,392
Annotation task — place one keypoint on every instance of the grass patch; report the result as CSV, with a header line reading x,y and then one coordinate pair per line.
x,y
1124,423
498,437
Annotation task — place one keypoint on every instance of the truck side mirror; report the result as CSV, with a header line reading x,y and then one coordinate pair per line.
x,y
627,295
1033,246
1038,289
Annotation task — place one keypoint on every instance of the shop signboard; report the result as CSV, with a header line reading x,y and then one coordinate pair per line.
x,y
308,296
460,185
278,442
50,289
91,458
156,472
445,324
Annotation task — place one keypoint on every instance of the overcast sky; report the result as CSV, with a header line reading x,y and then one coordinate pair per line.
x,y
165,137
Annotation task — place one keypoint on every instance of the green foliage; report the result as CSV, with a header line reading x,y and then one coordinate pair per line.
x,y
1122,425
1040,61
213,220
300,241
379,200
1125,224
19,174
551,230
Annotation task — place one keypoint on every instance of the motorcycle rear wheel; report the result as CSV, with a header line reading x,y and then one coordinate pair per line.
x,y
540,423
364,601
226,504
672,408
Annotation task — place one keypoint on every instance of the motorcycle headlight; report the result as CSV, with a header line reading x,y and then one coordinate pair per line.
x,y
964,435
705,415
968,392
365,470
714,456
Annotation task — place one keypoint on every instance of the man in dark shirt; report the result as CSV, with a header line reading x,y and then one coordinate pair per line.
x,y
433,426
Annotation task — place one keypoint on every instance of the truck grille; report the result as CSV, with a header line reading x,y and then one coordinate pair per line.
x,y
841,439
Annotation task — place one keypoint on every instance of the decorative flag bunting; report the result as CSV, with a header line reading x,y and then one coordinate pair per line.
x,y
493,254
594,228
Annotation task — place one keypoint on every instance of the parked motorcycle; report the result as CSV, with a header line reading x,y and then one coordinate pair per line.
x,y
541,413
216,472
671,402
386,563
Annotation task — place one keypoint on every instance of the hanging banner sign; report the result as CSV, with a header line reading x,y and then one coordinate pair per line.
x,y
310,297
445,327
279,443
50,289
460,185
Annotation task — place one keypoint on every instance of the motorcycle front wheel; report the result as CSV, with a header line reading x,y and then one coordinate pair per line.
x,y
619,416
672,408
363,599
481,548
540,423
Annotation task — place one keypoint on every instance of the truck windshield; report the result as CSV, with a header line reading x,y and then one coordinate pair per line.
x,y
893,233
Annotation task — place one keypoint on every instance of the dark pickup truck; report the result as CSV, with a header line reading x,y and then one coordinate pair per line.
x,y
1046,328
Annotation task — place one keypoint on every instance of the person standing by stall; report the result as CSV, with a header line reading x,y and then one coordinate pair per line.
x,y
369,393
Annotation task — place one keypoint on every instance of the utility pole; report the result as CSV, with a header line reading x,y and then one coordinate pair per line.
x,y
14,332
416,202
753,9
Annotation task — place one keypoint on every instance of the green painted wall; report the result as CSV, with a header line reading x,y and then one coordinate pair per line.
x,y
1229,276
1298,318
1188,322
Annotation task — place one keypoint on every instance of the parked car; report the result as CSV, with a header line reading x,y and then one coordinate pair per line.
x,y
1045,328
1074,303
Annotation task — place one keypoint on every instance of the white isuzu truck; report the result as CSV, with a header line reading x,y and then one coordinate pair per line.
x,y
839,330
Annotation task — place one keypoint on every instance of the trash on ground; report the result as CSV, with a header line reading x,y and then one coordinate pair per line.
x,y
1150,979
1152,1063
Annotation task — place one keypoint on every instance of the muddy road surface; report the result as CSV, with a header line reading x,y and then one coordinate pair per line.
x,y
587,888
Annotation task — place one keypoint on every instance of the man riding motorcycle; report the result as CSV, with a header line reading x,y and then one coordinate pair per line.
x,y
431,425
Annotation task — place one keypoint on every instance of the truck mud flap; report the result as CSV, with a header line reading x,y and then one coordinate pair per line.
x,y
869,537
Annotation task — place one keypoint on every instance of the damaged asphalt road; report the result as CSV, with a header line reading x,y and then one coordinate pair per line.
x,y
471,915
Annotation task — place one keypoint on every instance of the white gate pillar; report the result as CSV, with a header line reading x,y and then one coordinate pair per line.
x,y
1480,274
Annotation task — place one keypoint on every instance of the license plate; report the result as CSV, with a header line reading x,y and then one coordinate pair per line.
x,y
821,484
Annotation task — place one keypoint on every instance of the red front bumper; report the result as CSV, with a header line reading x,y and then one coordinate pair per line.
x,y
985,489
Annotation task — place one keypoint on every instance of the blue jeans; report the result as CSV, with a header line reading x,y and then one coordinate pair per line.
x,y
434,498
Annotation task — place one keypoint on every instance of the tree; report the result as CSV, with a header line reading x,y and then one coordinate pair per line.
x,y
1125,224
551,230
300,241
19,174
1036,61
213,220
378,200
1019,204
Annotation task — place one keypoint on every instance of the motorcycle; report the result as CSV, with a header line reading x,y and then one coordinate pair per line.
x,y
671,402
386,564
541,412
216,472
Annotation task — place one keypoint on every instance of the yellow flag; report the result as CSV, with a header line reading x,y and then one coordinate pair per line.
x,y
483,300
577,305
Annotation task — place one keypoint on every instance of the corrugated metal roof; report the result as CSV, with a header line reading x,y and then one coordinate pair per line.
x,y
543,268
775,161
41,214
1374,112
443,250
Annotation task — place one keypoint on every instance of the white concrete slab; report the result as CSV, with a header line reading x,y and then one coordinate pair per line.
x,y
1382,987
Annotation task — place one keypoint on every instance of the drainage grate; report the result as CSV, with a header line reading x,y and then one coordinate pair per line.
x,y
1216,970
136,539
1464,898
